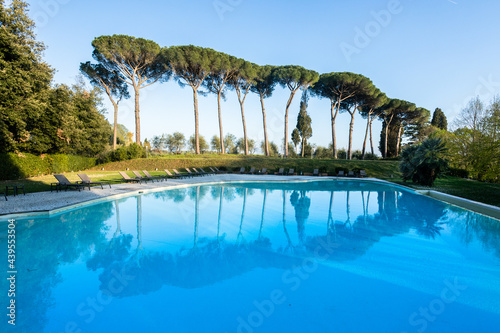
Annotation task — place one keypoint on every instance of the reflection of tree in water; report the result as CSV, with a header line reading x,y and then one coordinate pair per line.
x,y
470,226
42,247
301,205
116,249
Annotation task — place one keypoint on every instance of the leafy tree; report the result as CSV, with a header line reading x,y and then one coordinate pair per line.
x,y
243,144
230,143
418,127
472,116
201,141
138,62
111,83
159,142
439,120
425,162
121,134
215,143
190,65
338,88
176,142
25,78
304,123
264,85
396,113
293,78
295,138
223,69
241,82
71,123
273,148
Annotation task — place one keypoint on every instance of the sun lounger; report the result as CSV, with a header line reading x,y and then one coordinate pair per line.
x,y
263,171
64,182
200,173
316,172
138,175
252,171
350,174
171,175
281,171
87,181
362,173
159,178
180,175
242,170
291,172
127,178
192,174
207,173
341,173
219,171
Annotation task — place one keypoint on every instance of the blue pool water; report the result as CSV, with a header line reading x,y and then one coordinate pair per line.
x,y
324,256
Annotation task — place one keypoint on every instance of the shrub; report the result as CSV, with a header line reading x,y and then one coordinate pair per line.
x,y
16,166
425,162
456,172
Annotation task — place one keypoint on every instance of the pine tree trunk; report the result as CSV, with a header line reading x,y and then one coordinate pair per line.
x,y
366,137
244,128
137,117
220,125
398,142
115,124
386,138
196,124
266,143
286,122
334,116
351,128
371,139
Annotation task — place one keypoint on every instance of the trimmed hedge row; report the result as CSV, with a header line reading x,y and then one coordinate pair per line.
x,y
17,166
373,168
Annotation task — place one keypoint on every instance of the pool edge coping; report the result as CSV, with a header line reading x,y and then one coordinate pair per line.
x,y
475,206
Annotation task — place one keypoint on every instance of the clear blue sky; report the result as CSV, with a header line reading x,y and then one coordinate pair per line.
x,y
435,54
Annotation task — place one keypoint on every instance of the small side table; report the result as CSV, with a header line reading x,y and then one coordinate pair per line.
x,y
14,189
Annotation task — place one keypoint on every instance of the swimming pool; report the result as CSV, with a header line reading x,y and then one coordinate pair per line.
x,y
321,256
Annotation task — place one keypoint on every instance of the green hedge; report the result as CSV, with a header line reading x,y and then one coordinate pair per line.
x,y
17,166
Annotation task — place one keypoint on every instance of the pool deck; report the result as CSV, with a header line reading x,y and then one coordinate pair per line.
x,y
54,202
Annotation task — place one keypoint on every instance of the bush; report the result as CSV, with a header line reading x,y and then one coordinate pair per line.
x,y
456,172
123,153
16,166
425,162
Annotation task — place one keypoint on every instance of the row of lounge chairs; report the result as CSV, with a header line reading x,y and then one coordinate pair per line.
x,y
291,172
64,183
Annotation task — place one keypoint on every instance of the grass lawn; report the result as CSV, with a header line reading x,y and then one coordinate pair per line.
x,y
482,192
470,189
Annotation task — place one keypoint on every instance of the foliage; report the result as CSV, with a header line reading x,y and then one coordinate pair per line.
x,y
71,124
475,145
293,78
175,142
191,65
240,145
425,162
138,62
303,123
230,143
15,166
25,78
439,119
215,143
203,145
113,85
